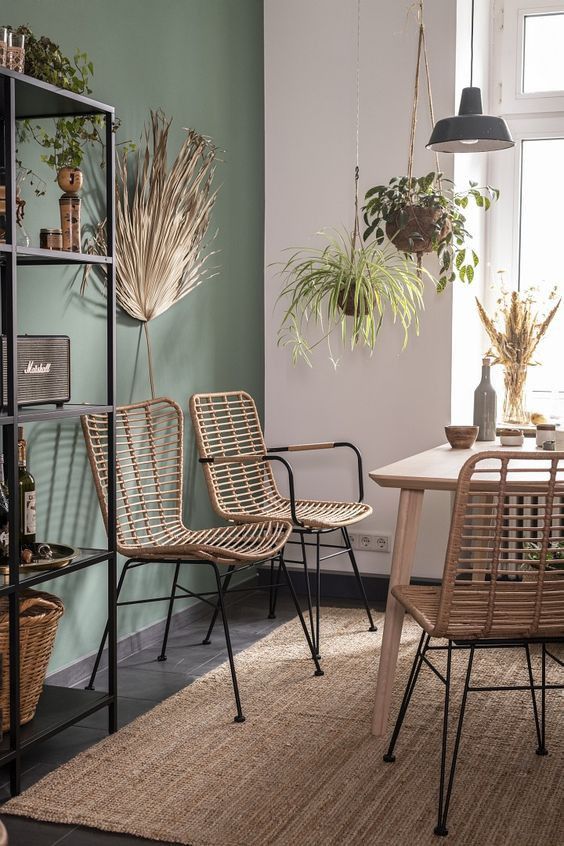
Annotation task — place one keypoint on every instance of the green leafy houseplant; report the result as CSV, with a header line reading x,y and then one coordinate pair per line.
x,y
66,145
424,215
325,285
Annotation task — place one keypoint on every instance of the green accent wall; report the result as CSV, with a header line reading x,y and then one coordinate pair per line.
x,y
201,61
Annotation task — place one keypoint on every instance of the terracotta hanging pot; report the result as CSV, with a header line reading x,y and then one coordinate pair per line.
x,y
417,231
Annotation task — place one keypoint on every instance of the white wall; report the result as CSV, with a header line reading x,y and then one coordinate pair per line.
x,y
393,403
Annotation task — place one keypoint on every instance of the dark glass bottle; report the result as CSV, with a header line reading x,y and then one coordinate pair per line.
x,y
485,405
27,495
4,516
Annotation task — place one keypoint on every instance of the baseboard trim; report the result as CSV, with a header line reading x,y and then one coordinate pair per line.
x,y
339,584
335,584
78,672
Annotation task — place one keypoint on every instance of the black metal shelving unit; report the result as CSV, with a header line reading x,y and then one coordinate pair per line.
x,y
24,97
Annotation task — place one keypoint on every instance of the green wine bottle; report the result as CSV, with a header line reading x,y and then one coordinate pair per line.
x,y
4,516
27,495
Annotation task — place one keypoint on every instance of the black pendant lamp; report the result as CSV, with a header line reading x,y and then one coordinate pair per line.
x,y
470,131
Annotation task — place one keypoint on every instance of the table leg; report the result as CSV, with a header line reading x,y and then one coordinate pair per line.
x,y
409,516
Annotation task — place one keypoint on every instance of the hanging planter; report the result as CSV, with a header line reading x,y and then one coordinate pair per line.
x,y
425,214
346,285
417,228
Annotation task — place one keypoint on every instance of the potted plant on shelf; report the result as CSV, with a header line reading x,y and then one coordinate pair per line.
x,y
346,278
65,146
515,332
426,215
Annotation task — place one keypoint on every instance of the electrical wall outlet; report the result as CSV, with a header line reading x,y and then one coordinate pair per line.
x,y
371,541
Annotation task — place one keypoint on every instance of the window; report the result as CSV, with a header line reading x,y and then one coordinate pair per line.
x,y
527,234
543,60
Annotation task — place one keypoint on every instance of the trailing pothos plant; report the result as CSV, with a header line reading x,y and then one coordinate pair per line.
x,y
345,278
65,145
424,215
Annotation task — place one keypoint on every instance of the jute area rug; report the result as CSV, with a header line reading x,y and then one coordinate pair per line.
x,y
303,770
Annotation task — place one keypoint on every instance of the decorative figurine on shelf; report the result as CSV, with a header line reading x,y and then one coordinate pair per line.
x,y
70,180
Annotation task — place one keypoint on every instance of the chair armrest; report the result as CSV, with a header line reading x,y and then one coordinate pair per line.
x,y
329,445
247,459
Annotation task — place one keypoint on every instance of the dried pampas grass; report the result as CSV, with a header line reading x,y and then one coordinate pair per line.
x,y
162,217
515,333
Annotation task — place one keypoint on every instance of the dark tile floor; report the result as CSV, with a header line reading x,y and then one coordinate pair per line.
x,y
143,683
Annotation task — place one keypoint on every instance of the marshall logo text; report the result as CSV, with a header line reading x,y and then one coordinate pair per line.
x,y
35,367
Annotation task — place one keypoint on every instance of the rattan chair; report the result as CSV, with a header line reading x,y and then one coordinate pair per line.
x,y
500,589
242,487
150,527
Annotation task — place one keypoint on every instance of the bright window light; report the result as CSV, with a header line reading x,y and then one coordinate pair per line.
x,y
543,55
540,262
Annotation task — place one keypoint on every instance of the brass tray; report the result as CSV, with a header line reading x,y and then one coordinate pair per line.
x,y
62,556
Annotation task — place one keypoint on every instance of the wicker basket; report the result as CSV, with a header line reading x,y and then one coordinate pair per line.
x,y
39,617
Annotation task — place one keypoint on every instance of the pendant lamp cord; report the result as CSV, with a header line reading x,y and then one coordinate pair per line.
x,y
356,229
472,46
421,53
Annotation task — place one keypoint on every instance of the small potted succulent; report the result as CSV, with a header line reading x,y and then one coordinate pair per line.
x,y
426,215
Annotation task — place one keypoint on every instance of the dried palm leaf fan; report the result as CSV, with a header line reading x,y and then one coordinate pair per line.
x,y
162,217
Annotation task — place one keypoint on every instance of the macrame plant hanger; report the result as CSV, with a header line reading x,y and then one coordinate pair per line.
x,y
421,55
356,230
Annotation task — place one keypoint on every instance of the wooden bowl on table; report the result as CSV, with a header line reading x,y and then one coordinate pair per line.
x,y
461,437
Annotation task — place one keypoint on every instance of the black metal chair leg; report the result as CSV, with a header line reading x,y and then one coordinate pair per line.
x,y
347,540
317,594
318,670
389,757
533,697
542,750
90,685
220,591
162,656
441,828
274,585
308,592
226,581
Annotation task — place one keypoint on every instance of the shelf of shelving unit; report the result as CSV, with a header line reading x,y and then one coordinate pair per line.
x,y
37,256
57,709
28,577
24,97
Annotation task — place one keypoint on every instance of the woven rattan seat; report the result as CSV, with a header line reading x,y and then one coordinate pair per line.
x,y
502,587
149,457
149,521
242,486
227,426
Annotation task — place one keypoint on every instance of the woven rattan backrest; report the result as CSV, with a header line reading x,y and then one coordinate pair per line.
x,y
148,468
507,534
228,424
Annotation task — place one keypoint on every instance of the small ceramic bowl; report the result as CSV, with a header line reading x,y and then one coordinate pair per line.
x,y
461,437
511,437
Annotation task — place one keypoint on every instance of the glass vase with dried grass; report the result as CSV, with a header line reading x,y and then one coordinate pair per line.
x,y
515,332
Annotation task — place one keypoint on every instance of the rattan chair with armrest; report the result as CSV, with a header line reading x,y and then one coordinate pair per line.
x,y
150,527
500,589
238,472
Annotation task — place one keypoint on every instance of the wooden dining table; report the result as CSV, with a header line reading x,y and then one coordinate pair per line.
x,y
435,469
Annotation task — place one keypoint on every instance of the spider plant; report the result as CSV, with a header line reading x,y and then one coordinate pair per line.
x,y
324,285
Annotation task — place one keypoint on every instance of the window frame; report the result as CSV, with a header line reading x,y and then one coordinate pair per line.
x,y
530,116
508,47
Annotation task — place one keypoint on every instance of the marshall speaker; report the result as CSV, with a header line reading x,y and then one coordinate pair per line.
x,y
43,369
